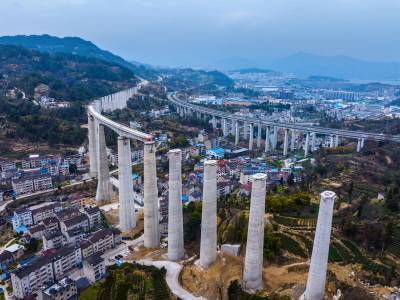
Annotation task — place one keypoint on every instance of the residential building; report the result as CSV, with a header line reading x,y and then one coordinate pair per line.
x,y
94,267
27,279
36,231
53,239
23,186
100,241
64,259
22,217
64,289
94,215
45,211
80,221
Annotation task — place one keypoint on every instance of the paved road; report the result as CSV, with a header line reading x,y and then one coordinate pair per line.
x,y
172,278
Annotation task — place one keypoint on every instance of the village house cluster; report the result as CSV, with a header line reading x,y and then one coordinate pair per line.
x,y
37,173
71,238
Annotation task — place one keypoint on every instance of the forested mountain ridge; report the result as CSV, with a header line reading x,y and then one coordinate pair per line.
x,y
68,78
75,46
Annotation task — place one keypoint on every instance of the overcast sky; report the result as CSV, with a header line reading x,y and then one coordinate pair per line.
x,y
200,32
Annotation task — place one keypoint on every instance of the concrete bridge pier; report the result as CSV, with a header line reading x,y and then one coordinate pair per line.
x,y
237,133
208,242
224,127
286,142
275,139
362,142
151,226
245,127
358,145
214,122
315,289
253,263
293,140
306,144
175,215
127,219
336,141
331,142
313,137
258,135
251,136
92,147
267,139
103,192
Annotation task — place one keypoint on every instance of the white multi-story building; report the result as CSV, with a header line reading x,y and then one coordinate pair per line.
x,y
65,259
6,165
28,279
63,289
53,239
94,215
80,221
94,268
46,269
42,182
23,186
22,217
100,241
45,211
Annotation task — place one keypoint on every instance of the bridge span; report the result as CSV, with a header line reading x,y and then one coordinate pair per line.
x,y
99,164
231,123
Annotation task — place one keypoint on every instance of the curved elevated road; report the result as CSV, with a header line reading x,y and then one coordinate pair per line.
x,y
174,99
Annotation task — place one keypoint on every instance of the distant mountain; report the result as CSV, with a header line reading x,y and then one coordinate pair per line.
x,y
75,46
305,65
254,70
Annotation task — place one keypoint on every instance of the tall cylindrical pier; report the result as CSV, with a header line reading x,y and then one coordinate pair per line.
x,y
127,219
92,147
175,215
208,243
103,192
315,289
151,226
253,263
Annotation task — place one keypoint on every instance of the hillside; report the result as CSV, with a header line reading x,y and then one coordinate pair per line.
x,y
74,46
65,77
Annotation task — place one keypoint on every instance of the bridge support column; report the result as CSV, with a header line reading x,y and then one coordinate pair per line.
x,y
293,140
151,227
336,141
181,112
315,289
358,145
103,192
127,219
208,242
253,263
362,142
214,122
286,142
306,144
92,147
258,135
237,132
233,129
331,142
245,126
267,139
175,215
275,141
313,136
251,136
224,127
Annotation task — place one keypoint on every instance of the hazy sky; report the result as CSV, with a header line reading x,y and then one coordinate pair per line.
x,y
200,32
